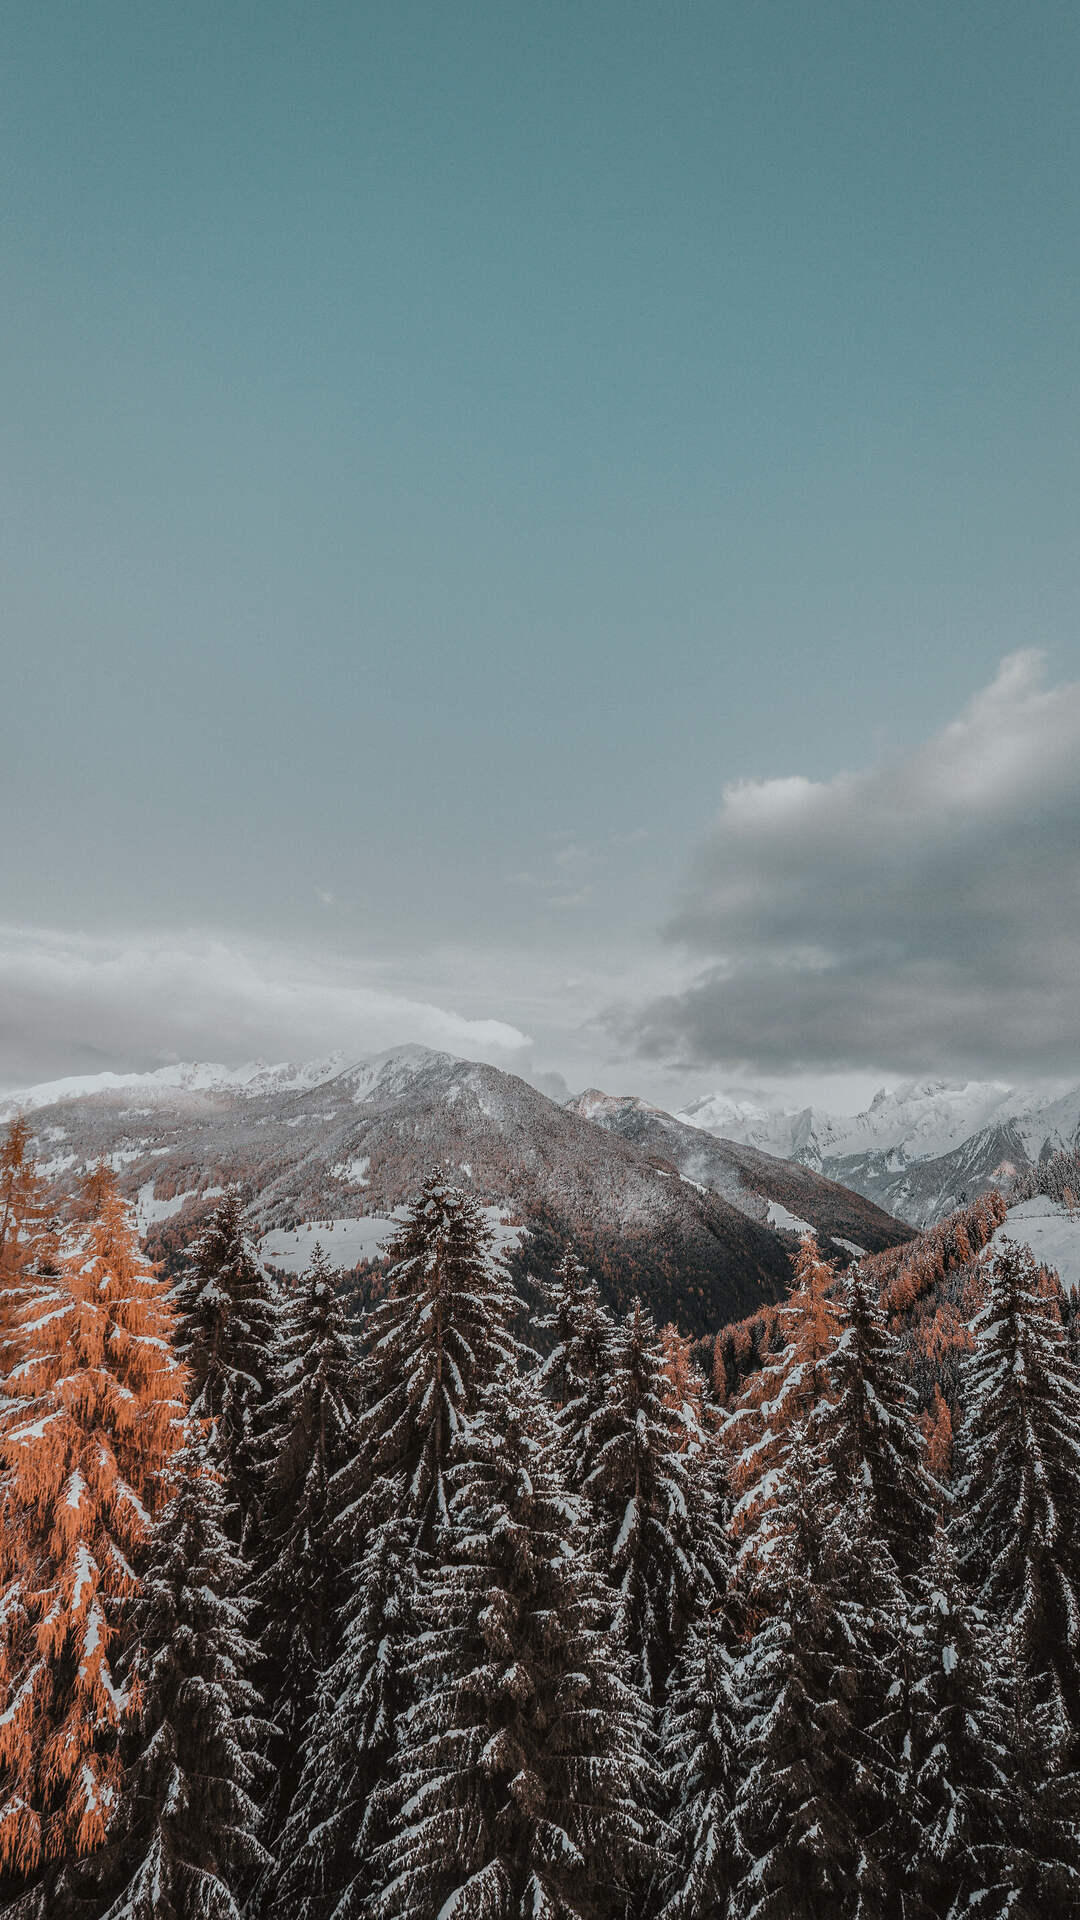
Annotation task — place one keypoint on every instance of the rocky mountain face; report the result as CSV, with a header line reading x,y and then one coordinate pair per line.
x,y
350,1143
920,1150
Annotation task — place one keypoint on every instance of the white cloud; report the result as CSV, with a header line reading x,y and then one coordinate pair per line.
x,y
921,914
81,1003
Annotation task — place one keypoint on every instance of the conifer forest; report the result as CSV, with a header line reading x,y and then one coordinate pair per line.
x,y
450,1607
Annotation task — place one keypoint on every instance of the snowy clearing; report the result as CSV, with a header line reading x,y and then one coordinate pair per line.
x,y
347,1242
780,1217
1052,1233
149,1211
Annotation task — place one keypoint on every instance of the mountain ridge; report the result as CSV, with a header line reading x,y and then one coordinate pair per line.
x,y
331,1142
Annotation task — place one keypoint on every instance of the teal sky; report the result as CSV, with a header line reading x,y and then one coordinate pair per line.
x,y
444,447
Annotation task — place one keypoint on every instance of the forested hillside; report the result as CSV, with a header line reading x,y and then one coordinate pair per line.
x,y
443,1609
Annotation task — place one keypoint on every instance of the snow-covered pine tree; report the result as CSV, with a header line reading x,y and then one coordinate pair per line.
x,y
1043,1870
954,1815
868,1421
520,1789
814,1799
442,1329
85,1455
300,1583
700,1763
658,1519
1019,1485
574,1372
229,1337
186,1845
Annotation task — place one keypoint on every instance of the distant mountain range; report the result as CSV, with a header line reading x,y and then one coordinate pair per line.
x,y
919,1150
703,1228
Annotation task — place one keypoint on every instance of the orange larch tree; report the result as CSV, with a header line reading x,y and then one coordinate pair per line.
x,y
84,1450
785,1389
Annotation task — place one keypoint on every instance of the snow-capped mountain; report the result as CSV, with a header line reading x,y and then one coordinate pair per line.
x,y
348,1143
919,1149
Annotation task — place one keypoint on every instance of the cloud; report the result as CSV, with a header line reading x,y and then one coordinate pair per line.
x,y
80,1003
923,915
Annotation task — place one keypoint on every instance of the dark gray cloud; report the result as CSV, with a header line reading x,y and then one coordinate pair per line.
x,y
924,914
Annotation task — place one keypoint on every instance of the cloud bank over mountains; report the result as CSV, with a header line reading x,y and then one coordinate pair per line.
x,y
919,916
73,1003
924,913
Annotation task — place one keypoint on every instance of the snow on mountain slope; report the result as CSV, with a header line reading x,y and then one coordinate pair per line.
x,y
1051,1230
919,1150
353,1142
780,1193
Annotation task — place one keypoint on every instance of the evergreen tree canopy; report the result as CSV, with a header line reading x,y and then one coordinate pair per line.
x,y
520,1790
300,1587
229,1335
818,1780
869,1421
701,1758
658,1516
575,1372
1019,1489
188,1842
442,1330
956,1807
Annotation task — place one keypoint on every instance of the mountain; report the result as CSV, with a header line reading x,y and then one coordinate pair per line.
x,y
348,1144
779,1193
919,1150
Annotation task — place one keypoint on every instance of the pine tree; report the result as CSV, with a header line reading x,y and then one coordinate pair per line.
x,y
86,1454
700,1764
575,1372
187,1841
869,1424
520,1788
800,1815
658,1518
229,1336
442,1329
953,1819
1019,1487
311,1435
1042,1871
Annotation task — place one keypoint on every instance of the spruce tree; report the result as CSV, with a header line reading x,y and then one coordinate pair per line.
x,y
953,1819
300,1586
520,1788
658,1517
443,1327
869,1422
574,1373
1019,1486
1042,1869
700,1765
229,1333
818,1782
187,1842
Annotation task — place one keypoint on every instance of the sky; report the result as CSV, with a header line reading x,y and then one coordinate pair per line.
x,y
547,531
